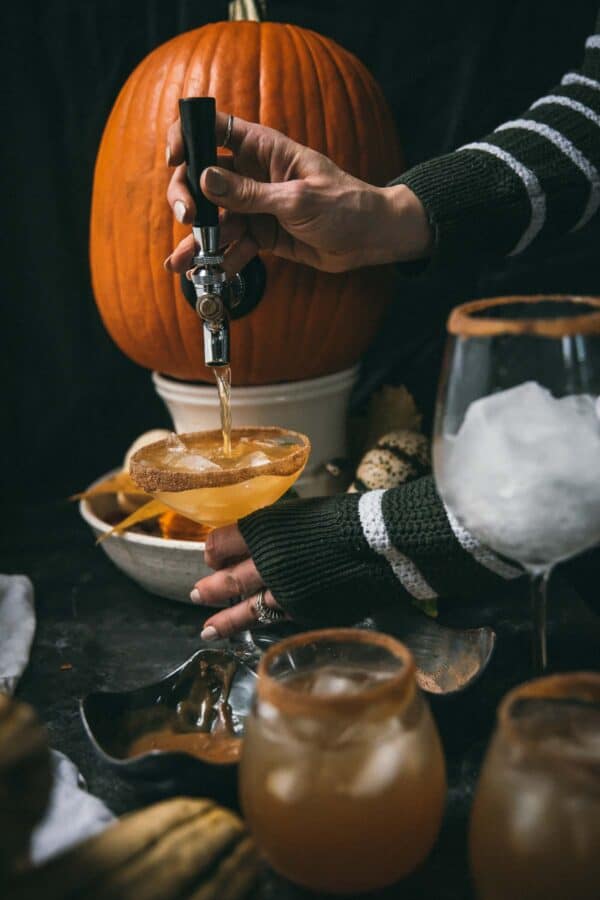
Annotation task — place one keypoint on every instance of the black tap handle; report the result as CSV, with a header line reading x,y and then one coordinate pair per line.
x,y
198,116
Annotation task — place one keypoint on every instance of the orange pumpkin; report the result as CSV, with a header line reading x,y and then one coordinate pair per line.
x,y
308,323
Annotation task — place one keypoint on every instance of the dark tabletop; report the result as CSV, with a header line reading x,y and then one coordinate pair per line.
x,y
98,631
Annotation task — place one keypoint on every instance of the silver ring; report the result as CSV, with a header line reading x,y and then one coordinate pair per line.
x,y
266,615
228,131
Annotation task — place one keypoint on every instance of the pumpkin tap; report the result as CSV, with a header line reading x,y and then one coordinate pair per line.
x,y
212,290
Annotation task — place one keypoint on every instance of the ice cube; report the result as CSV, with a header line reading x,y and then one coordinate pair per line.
x,y
336,680
381,767
194,462
188,462
288,784
257,458
175,444
257,443
332,684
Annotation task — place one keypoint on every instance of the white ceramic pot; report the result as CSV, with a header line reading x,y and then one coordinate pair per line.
x,y
316,407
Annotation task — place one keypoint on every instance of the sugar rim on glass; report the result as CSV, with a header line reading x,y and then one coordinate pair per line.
x,y
463,323
398,687
583,686
156,479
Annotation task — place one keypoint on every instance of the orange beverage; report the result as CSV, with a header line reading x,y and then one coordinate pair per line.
x,y
196,476
535,825
342,776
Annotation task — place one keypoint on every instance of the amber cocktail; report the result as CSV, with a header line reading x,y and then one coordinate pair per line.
x,y
192,474
342,776
535,826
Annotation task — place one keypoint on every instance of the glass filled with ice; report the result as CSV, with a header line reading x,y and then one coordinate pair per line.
x,y
517,434
342,777
535,823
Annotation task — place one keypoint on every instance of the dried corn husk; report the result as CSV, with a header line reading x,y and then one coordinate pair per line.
x,y
25,780
122,481
171,524
149,511
182,849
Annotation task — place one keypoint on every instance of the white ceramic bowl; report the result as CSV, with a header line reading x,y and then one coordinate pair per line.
x,y
162,566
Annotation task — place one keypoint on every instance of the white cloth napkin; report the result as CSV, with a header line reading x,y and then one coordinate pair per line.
x,y
17,627
72,814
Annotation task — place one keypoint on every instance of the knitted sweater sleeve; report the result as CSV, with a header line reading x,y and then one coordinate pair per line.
x,y
335,560
534,178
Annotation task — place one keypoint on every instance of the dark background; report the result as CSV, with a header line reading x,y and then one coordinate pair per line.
x,y
70,401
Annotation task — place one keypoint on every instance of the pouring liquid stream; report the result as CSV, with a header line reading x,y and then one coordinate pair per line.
x,y
223,379
247,646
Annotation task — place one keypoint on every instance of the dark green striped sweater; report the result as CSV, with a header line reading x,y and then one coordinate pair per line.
x,y
336,560
535,177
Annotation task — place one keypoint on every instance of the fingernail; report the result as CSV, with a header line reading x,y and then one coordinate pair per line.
x,y
209,634
195,595
179,209
168,154
216,183
167,263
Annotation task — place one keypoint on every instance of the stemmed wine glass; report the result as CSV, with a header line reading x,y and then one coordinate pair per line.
x,y
517,433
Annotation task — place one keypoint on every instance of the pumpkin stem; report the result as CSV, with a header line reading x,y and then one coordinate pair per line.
x,y
247,10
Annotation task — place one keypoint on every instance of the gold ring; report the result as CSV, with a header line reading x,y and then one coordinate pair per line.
x,y
228,131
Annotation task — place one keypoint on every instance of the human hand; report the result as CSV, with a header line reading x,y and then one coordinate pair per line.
x,y
236,576
281,196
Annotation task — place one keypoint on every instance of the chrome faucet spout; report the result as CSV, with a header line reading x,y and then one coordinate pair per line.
x,y
209,282
216,343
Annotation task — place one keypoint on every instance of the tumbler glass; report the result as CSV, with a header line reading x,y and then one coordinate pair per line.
x,y
342,776
535,825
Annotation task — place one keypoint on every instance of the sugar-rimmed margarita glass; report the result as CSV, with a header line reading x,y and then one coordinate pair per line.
x,y
191,474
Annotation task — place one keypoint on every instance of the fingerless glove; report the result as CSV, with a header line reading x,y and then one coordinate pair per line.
x,y
335,560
